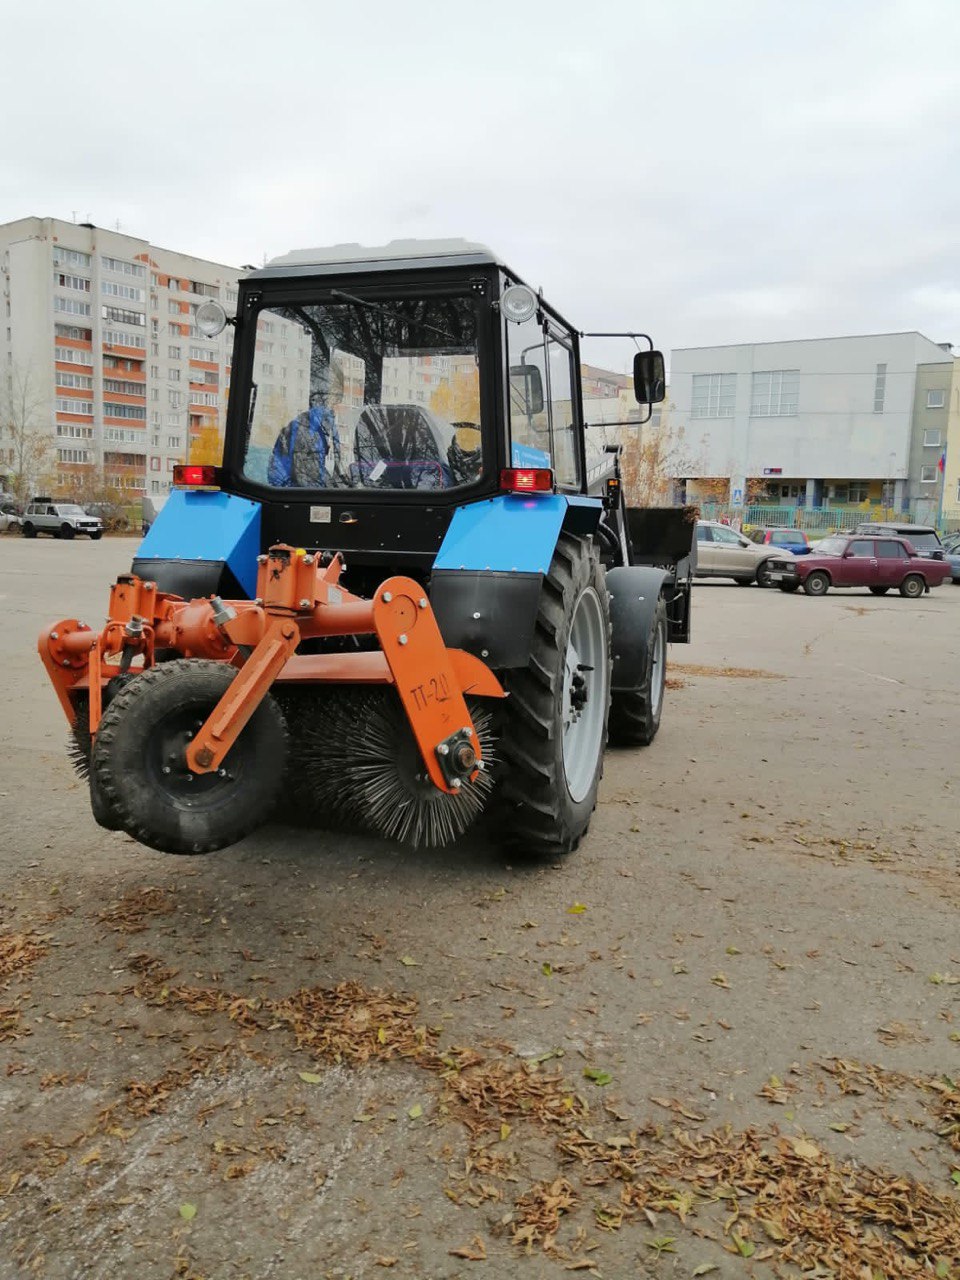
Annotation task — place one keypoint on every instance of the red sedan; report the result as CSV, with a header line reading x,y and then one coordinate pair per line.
x,y
875,563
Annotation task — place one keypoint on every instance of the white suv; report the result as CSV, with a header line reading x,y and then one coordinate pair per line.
x,y
62,519
722,552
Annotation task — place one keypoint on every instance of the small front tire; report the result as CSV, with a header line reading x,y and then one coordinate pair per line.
x,y
29,530
912,586
139,763
763,574
66,532
817,583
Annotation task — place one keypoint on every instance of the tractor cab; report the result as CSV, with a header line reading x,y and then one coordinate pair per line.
x,y
375,391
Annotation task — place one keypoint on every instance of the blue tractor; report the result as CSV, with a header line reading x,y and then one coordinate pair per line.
x,y
411,597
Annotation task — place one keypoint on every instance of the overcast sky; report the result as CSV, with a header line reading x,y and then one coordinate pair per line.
x,y
712,172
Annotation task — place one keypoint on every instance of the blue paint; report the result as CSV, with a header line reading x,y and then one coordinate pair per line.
x,y
194,525
509,533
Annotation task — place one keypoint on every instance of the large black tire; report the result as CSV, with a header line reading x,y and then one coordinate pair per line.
x,y
878,591
913,586
763,574
538,813
66,532
817,583
29,530
95,537
138,764
635,713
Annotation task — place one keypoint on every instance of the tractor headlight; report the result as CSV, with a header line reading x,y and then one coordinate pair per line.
x,y
518,303
211,318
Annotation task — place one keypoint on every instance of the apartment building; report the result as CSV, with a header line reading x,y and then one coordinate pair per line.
x,y
99,347
811,423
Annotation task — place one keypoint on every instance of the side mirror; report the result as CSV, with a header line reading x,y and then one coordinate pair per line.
x,y
527,386
649,377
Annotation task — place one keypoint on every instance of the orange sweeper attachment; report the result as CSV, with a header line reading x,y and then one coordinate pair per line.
x,y
195,719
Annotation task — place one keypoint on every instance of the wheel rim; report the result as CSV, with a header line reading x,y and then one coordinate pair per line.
x,y
166,758
819,584
913,587
763,575
584,695
658,672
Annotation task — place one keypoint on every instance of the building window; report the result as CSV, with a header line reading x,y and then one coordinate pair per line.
x,y
71,431
127,291
775,393
122,388
78,381
154,464
117,338
175,399
173,375
118,435
73,455
931,438
928,475
714,395
936,398
173,442
173,419
121,316
173,352
83,407
70,257
68,331
122,268
154,348
71,306
201,353
73,356
208,290
116,410
880,388
80,283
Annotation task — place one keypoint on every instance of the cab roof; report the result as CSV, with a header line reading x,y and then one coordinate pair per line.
x,y
398,255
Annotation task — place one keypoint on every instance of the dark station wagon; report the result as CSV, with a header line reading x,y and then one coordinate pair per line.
x,y
858,561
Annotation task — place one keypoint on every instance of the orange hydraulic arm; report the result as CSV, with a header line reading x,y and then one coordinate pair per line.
x,y
297,599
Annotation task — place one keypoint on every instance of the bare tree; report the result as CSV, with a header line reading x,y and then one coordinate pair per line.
x,y
25,439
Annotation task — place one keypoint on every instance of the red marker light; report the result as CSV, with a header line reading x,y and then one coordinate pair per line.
x,y
187,476
526,480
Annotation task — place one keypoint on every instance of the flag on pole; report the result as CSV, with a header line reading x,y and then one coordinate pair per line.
x,y
942,463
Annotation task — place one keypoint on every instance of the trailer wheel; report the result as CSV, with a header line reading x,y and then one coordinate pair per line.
x,y
555,732
635,713
138,761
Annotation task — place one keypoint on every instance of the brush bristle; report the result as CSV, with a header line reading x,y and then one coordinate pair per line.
x,y
356,755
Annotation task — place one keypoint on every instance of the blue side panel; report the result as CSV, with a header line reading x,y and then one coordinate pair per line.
x,y
511,533
195,525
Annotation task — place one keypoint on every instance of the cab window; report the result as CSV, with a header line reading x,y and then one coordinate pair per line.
x,y
891,551
542,401
861,547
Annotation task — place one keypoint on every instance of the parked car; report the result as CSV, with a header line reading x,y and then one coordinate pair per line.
x,y
875,563
722,552
922,537
113,515
951,553
61,519
794,540
10,519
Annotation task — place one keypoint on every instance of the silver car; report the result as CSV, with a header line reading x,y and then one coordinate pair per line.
x,y
722,552
61,519
10,519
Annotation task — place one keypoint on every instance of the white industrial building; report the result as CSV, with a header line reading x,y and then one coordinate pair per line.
x,y
812,423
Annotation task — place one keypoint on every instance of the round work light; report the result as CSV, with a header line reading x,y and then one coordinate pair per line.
x,y
518,303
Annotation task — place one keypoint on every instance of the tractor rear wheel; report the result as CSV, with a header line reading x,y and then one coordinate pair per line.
x,y
553,739
635,713
139,763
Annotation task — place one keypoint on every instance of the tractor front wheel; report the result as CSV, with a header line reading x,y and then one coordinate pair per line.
x,y
553,740
139,761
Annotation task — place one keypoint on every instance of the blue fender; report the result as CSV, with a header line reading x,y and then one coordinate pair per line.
x,y
487,577
195,537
